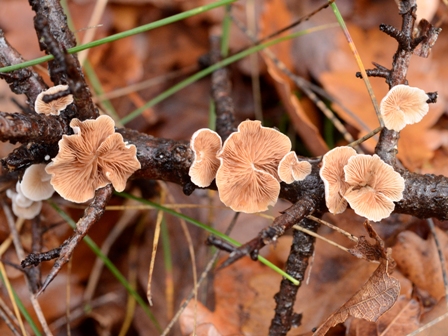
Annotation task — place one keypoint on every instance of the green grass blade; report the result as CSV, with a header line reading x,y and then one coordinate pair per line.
x,y
365,78
115,37
208,229
23,310
225,38
94,247
98,88
210,69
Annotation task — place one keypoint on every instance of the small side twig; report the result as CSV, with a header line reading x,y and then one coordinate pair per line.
x,y
32,285
91,215
291,216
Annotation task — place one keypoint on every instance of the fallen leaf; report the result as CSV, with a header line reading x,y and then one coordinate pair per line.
x,y
419,261
439,311
303,124
401,319
376,297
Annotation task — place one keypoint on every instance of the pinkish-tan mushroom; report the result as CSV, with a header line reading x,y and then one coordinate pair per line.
x,y
90,159
55,106
247,177
374,186
332,173
290,169
35,183
205,144
403,105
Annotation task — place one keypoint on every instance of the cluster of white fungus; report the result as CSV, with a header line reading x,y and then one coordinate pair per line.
x,y
249,166
30,192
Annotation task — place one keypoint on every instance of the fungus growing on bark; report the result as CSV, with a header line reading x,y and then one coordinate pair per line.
x,y
247,177
22,206
205,144
90,159
55,106
403,105
332,173
35,183
290,169
374,186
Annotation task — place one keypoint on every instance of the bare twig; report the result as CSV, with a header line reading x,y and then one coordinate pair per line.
x,y
91,215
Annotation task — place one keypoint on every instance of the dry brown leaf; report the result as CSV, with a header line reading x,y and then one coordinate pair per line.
x,y
376,297
438,311
276,16
208,323
419,261
235,297
371,252
335,275
401,319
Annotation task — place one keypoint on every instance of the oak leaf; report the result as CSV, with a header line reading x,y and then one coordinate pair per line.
x,y
376,297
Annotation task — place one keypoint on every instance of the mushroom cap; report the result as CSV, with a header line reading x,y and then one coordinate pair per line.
x,y
27,212
403,105
55,106
332,173
374,186
290,169
36,184
118,160
90,159
205,144
22,206
247,177
17,196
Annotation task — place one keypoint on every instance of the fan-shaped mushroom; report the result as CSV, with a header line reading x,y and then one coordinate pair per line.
x,y
205,144
403,105
290,169
55,106
332,173
247,177
90,159
374,186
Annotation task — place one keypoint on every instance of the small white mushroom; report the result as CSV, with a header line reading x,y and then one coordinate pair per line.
x,y
36,184
21,206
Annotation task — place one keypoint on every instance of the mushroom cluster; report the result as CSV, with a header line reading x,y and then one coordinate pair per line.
x,y
403,105
249,166
92,158
34,188
22,206
366,182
